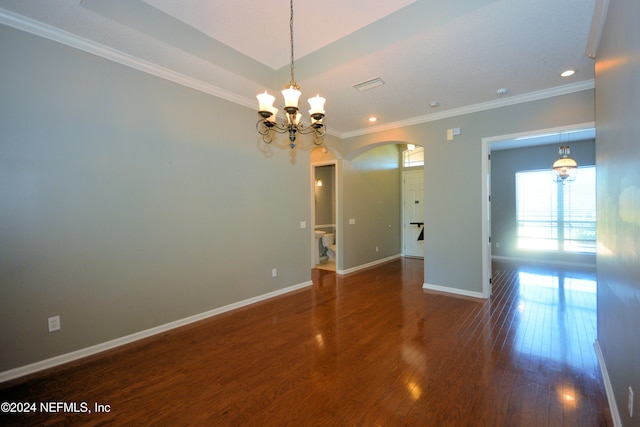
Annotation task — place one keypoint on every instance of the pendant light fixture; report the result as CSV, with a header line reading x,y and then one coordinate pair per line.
x,y
565,168
292,124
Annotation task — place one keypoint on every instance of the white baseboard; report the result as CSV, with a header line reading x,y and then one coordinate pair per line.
x,y
98,348
370,264
613,406
455,291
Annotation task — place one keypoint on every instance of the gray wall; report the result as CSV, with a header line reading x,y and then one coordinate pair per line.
x,y
618,161
325,196
371,194
504,165
453,182
128,202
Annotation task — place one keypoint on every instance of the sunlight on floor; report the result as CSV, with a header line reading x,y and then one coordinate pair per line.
x,y
557,316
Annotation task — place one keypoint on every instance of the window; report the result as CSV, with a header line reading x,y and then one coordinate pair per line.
x,y
555,217
413,157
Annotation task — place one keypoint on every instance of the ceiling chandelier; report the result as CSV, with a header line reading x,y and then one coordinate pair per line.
x,y
291,124
565,167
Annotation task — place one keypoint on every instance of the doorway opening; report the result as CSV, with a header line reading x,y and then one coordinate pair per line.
x,y
517,140
325,252
413,227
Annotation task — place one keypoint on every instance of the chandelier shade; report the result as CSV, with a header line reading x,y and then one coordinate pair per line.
x,y
291,96
292,124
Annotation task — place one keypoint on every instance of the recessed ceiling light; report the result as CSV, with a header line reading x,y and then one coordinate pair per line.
x,y
568,73
373,119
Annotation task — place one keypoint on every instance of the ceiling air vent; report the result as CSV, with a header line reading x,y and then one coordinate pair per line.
x,y
369,84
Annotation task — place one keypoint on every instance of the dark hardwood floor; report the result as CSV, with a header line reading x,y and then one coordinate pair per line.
x,y
367,349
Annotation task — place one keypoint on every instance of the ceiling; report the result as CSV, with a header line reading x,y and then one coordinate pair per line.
x,y
457,53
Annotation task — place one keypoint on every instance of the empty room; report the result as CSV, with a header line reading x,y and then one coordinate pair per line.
x,y
361,213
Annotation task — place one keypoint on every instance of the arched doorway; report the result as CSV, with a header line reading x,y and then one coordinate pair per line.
x,y
372,204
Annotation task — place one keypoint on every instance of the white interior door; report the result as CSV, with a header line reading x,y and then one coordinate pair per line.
x,y
413,213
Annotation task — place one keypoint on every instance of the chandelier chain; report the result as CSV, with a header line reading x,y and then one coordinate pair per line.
x,y
293,81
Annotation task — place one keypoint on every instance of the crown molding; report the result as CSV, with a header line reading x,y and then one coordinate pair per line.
x,y
519,99
72,40
66,38
597,25
41,29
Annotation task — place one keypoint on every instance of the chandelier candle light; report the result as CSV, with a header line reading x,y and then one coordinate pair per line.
x,y
291,124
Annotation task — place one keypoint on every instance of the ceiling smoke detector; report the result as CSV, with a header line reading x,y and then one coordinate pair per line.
x,y
502,92
369,84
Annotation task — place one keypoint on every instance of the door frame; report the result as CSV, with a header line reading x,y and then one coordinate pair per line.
x,y
486,183
337,213
404,172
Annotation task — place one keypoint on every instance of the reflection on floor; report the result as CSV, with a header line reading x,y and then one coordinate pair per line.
x,y
556,316
363,349
544,321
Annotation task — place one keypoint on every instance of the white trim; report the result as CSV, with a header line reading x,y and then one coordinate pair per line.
x,y
312,200
98,348
613,406
519,99
485,226
370,264
538,132
72,40
597,25
66,38
454,291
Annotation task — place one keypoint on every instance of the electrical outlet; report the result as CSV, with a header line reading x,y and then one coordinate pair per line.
x,y
630,402
54,323
274,272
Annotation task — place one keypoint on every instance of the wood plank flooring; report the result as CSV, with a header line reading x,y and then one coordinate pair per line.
x,y
368,349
